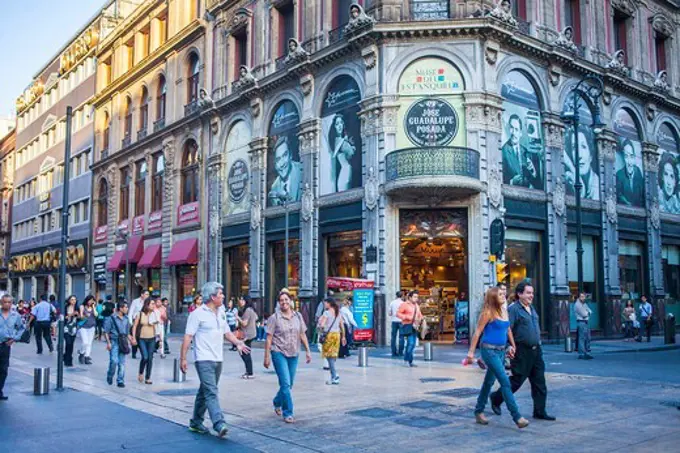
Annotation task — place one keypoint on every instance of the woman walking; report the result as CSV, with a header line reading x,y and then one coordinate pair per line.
x,y
145,330
198,301
87,322
494,328
70,329
410,315
247,319
232,316
285,330
331,333
629,319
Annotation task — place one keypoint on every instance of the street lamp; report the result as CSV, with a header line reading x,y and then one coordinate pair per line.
x,y
284,199
125,235
588,89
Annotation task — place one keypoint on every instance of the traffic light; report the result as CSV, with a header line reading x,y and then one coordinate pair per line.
x,y
502,272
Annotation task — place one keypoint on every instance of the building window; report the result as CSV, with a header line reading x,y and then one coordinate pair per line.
x,y
240,51
428,9
124,194
140,188
343,251
160,98
286,26
144,41
103,204
519,9
190,173
144,110
660,48
524,254
278,280
590,275
192,79
129,49
157,182
670,256
620,29
127,126
631,270
572,18
162,29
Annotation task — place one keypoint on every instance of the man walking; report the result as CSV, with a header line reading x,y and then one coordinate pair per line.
x,y
396,325
115,327
646,319
207,326
583,313
528,360
42,315
11,329
165,312
133,311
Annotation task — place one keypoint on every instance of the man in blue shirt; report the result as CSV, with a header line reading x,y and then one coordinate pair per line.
x,y
11,329
646,319
42,316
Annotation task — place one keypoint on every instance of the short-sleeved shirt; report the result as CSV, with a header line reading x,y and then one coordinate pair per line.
x,y
286,333
250,329
123,326
208,328
331,324
525,327
42,311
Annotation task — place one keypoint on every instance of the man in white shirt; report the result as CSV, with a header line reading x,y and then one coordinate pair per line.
x,y
396,325
134,310
207,326
350,324
583,313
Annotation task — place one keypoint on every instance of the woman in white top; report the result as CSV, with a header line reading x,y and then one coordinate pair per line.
x,y
331,334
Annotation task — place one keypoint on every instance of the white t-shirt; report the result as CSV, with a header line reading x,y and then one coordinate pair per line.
x,y
394,308
208,328
135,308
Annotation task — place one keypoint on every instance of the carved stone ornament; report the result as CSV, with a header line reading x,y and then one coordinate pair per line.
x,y
610,207
650,111
255,214
607,150
214,222
371,193
370,56
625,6
565,40
503,13
204,100
650,157
358,19
662,25
618,64
491,52
653,213
558,199
495,183
245,80
255,107
554,74
307,84
307,208
661,82
296,53
239,21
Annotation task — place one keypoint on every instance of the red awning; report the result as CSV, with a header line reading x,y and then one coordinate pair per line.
x,y
116,261
151,257
135,249
183,252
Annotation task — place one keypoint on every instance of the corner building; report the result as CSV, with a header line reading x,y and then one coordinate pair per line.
x,y
395,134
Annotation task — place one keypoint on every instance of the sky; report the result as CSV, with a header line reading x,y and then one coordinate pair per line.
x,y
31,33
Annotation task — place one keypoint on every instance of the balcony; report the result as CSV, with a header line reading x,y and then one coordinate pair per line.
x,y
126,141
523,26
191,107
159,124
280,63
336,34
443,171
141,134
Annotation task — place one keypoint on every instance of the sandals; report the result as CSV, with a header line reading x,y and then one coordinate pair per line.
x,y
289,420
140,378
277,411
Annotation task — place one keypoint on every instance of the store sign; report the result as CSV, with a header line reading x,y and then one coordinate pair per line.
x,y
45,203
430,76
99,267
124,226
188,214
155,221
138,225
49,259
362,308
431,122
101,233
237,181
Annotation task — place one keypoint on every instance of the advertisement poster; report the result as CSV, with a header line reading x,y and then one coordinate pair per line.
x,y
630,183
431,112
238,168
463,322
588,166
522,140
361,293
284,169
669,170
340,159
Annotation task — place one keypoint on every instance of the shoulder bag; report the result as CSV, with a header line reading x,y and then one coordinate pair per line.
x,y
324,335
123,341
409,329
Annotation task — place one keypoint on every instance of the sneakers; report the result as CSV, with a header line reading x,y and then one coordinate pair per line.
x,y
198,429
522,423
481,419
412,365
335,381
496,409
109,380
81,359
121,385
221,430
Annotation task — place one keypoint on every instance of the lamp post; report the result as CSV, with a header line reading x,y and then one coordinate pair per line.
x,y
284,201
125,235
588,89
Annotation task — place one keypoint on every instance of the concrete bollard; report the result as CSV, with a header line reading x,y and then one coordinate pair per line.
x,y
363,356
41,381
428,351
568,346
177,374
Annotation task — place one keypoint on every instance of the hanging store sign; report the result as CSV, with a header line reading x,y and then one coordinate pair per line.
x,y
431,122
155,221
188,214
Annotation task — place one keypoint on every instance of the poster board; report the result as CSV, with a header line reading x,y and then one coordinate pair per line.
x,y
362,293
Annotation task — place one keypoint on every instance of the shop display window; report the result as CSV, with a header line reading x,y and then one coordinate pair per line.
x,y
631,272
590,274
187,281
523,254
343,251
670,255
278,260
238,271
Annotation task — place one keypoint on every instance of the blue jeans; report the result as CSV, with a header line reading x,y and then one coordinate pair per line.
x,y
495,362
285,367
207,397
395,333
146,348
583,337
116,360
410,346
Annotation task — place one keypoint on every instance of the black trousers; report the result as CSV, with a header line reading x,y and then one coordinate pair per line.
x,y
344,350
528,363
647,325
247,359
70,340
43,330
4,365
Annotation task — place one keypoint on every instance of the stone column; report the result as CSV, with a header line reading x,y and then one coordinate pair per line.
x,y
214,234
167,282
258,153
606,148
112,176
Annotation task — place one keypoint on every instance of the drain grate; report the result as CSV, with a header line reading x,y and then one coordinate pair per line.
x,y
374,412
420,422
463,392
427,380
178,392
424,404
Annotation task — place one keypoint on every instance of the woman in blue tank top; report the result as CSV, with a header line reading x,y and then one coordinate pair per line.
x,y
494,328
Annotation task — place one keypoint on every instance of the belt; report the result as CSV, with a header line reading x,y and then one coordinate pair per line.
x,y
493,346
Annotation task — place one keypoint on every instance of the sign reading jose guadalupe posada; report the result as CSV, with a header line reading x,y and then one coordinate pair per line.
x,y
431,122
48,260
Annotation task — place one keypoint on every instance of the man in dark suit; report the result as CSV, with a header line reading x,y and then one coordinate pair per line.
x,y
520,167
629,181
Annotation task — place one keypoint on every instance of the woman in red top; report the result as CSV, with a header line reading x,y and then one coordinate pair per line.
x,y
410,315
198,301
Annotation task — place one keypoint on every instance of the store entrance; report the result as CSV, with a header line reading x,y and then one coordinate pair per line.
x,y
434,261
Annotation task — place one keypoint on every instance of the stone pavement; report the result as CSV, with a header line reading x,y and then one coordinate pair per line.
x,y
390,407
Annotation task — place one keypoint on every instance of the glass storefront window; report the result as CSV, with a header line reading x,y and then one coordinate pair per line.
x,y
670,255
155,282
344,254
278,260
630,269
238,271
524,256
590,273
187,278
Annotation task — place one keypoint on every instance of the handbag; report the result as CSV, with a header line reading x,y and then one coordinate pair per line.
x,y
240,334
123,342
25,337
324,335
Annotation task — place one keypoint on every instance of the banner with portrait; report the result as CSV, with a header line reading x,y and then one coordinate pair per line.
x,y
588,167
341,157
630,182
669,169
284,169
238,169
522,140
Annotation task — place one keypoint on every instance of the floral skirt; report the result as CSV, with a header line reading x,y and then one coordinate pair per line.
x,y
331,347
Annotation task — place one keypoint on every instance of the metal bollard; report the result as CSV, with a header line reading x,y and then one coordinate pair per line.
x,y
428,351
177,374
363,356
568,346
41,381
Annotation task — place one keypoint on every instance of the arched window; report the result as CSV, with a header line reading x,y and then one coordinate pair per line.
x,y
190,173
192,78
103,203
144,110
107,132
127,126
158,170
160,99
